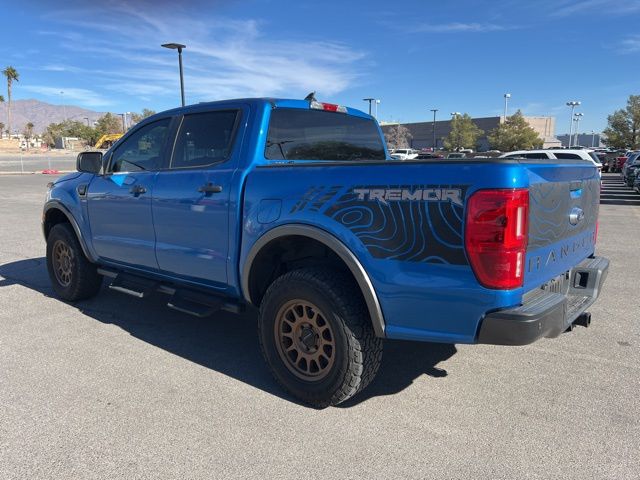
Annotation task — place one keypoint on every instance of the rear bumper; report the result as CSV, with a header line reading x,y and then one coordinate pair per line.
x,y
545,313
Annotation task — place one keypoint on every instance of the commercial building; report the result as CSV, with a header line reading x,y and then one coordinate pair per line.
x,y
584,140
423,131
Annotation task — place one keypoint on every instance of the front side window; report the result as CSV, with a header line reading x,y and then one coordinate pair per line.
x,y
204,139
297,134
142,150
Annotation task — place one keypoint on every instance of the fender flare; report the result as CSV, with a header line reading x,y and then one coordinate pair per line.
x,y
57,205
339,248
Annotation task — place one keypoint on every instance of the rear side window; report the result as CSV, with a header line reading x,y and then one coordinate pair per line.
x,y
567,156
537,155
296,134
204,139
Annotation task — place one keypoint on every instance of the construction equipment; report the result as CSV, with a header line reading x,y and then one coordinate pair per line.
x,y
106,140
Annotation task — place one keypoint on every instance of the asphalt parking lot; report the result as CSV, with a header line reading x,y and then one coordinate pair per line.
x,y
117,387
37,162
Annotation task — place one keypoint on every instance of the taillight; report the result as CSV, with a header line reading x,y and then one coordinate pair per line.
x,y
496,236
327,107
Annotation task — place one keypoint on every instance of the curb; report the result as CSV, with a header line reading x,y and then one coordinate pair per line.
x,y
40,172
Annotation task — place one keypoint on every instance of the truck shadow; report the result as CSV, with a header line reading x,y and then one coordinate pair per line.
x,y
226,343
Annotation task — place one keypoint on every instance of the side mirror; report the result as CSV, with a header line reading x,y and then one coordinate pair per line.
x,y
89,162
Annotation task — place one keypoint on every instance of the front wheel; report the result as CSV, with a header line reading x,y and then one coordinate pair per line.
x,y
316,336
73,277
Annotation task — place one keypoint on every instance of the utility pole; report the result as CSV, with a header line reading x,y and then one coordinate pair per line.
x,y
434,110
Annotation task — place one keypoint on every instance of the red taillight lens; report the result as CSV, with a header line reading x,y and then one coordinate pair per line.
x,y
496,236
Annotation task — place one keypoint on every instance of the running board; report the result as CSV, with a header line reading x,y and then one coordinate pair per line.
x,y
190,301
135,286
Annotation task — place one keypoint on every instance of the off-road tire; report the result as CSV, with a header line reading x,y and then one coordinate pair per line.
x,y
84,281
358,352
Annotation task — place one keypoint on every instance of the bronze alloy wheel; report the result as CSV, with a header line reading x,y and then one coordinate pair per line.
x,y
63,263
304,340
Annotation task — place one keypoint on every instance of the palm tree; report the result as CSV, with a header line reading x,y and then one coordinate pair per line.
x,y
28,132
12,75
1,124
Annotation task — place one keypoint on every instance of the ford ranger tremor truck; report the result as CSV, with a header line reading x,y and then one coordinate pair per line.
x,y
296,208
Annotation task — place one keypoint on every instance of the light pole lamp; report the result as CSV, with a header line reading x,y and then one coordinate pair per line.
x,y
573,104
179,47
434,110
370,100
507,96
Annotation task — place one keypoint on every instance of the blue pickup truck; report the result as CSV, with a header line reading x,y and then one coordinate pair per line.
x,y
295,207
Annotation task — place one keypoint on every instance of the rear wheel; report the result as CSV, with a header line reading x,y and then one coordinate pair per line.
x,y
316,336
73,277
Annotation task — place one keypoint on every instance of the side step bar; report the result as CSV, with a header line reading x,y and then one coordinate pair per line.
x,y
190,301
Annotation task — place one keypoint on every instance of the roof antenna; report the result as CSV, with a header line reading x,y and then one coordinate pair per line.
x,y
311,97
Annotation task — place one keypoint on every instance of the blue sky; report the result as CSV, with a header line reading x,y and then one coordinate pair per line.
x,y
413,55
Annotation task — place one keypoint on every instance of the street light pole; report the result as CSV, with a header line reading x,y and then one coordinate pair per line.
x,y
578,117
507,96
573,104
179,47
593,139
123,127
377,103
370,100
434,110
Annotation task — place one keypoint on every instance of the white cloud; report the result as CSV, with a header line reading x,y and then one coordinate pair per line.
x,y
462,27
571,7
631,44
80,95
224,57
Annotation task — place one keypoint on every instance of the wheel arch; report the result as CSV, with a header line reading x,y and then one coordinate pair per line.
x,y
335,246
54,213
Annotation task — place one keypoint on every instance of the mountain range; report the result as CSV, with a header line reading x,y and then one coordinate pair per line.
x,y
42,114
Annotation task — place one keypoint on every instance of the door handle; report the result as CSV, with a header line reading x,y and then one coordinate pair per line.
x,y
210,188
137,190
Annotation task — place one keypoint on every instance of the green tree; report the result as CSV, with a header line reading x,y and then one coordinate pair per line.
x,y
464,133
138,117
1,129
623,126
69,128
514,134
28,132
108,123
12,76
398,136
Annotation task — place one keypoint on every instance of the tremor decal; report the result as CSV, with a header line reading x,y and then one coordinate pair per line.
x,y
414,223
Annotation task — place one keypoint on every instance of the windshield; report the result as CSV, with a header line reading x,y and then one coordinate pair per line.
x,y
296,134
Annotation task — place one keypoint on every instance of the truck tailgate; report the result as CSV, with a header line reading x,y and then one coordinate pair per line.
x,y
563,213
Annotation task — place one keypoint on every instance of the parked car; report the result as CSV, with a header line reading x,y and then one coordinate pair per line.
x,y
404,153
293,206
636,183
428,156
557,154
633,162
457,155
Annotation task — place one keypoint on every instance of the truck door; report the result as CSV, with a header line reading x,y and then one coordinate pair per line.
x,y
119,202
191,198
